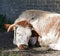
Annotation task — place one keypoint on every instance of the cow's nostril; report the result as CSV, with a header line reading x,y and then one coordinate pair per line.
x,y
22,47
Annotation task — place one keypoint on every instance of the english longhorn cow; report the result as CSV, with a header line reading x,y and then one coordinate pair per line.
x,y
37,25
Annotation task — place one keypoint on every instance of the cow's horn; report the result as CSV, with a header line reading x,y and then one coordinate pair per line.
x,y
11,27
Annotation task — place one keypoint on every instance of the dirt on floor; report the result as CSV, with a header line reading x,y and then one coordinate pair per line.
x,y
31,52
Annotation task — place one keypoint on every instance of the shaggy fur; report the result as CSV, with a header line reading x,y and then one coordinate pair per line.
x,y
45,24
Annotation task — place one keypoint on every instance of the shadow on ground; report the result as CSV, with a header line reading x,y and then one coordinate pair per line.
x,y
6,40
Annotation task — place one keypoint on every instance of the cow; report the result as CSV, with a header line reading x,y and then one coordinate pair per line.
x,y
38,27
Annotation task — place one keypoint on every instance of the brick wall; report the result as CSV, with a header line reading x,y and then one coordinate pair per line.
x,y
13,8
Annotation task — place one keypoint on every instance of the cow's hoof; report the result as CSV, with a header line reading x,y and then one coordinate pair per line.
x,y
23,47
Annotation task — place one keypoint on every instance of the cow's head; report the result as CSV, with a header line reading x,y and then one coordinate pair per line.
x,y
24,33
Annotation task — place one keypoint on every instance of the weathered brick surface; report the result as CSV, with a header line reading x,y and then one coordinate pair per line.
x,y
13,8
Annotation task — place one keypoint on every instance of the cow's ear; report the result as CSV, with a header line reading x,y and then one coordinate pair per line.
x,y
6,26
24,24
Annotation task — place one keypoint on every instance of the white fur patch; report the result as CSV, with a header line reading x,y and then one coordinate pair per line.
x,y
22,35
49,39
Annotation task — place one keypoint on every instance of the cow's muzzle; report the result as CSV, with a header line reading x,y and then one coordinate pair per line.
x,y
22,47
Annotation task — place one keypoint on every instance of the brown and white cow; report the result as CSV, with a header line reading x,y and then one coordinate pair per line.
x,y
45,24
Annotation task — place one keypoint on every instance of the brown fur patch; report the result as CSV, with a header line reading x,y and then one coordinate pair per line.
x,y
6,26
58,26
51,24
24,24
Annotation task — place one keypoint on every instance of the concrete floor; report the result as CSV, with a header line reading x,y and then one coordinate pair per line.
x,y
32,52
